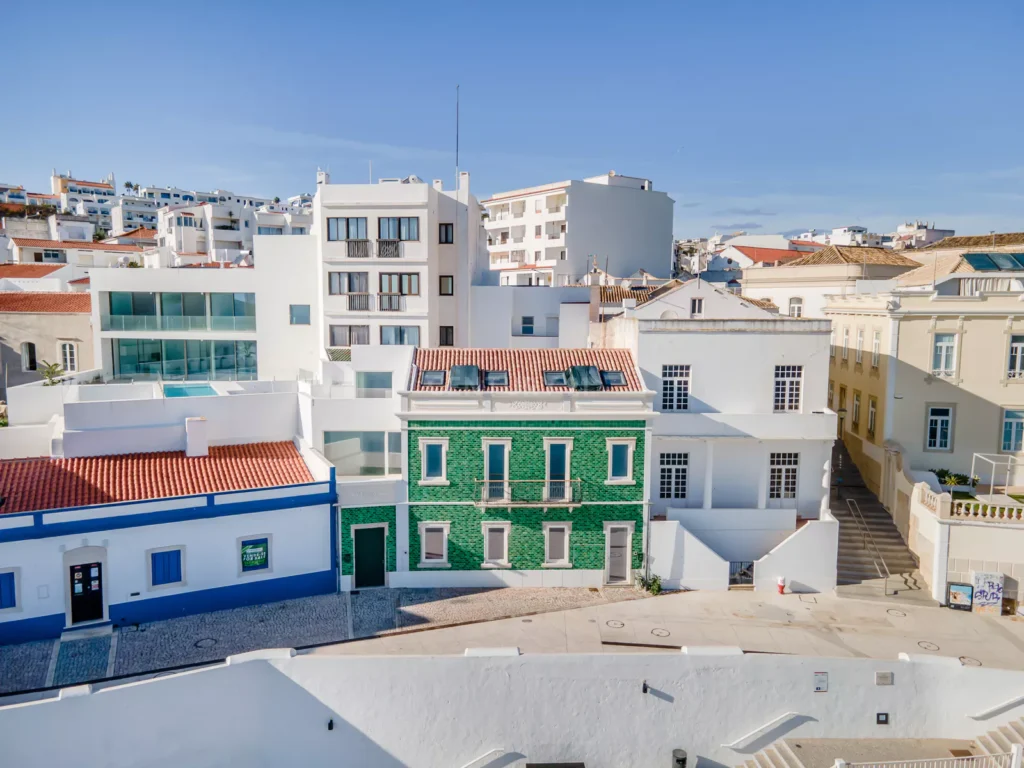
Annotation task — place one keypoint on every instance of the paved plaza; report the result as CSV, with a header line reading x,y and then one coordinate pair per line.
x,y
208,637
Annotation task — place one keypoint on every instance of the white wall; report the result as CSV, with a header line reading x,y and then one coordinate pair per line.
x,y
497,313
737,534
806,560
682,560
301,544
439,712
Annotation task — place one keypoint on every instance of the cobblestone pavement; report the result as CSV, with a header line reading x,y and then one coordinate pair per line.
x,y
25,665
82,660
211,636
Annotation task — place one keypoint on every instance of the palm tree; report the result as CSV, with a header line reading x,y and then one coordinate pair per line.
x,y
136,187
128,186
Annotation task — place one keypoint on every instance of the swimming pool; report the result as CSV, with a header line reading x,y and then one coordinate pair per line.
x,y
189,390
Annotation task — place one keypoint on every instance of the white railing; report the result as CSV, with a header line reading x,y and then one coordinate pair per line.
x,y
961,509
1004,760
771,725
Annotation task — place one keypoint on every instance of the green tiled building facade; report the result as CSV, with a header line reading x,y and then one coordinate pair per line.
x,y
454,503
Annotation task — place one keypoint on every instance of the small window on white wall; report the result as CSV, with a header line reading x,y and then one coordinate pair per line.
x,y
796,307
68,356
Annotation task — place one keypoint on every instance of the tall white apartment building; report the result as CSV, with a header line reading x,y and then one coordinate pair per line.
x,y
127,213
165,196
554,233
12,193
86,198
202,232
395,260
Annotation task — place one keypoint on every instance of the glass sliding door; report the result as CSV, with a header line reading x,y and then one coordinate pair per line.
x,y
174,359
197,359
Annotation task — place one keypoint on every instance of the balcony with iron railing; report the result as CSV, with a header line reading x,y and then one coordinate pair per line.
x,y
530,493
389,249
358,249
359,302
390,302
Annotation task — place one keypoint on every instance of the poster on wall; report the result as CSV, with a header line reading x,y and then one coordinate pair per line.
x,y
988,592
959,596
255,554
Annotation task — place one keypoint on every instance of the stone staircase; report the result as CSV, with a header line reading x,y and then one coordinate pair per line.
x,y
1001,740
778,755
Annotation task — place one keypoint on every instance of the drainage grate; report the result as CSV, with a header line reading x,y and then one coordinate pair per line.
x,y
206,642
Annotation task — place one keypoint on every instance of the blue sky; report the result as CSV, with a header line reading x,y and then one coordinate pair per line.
x,y
767,116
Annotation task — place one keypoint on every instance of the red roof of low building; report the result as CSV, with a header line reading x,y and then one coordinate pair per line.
x,y
57,302
30,485
139,233
90,183
79,281
767,255
525,367
26,242
28,270
810,243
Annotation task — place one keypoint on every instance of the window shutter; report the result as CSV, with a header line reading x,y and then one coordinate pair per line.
x,y
556,544
495,543
7,597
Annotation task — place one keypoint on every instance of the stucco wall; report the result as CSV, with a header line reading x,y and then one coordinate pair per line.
x,y
47,330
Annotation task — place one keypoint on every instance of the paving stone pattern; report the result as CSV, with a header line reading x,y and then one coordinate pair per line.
x,y
25,665
211,636
292,623
81,660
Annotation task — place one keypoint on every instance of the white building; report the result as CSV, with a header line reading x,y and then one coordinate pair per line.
x,y
740,460
94,199
164,196
127,213
554,233
80,253
917,234
12,193
395,261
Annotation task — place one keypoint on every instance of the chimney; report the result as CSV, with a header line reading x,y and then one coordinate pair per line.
x,y
196,439
438,185
322,177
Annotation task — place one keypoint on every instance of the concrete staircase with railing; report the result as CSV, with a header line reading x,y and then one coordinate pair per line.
x,y
778,755
1001,740
860,549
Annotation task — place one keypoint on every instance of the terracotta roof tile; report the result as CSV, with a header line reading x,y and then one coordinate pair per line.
x,y
28,270
52,301
139,233
769,255
45,483
614,294
843,254
525,367
977,241
760,303
24,242
79,281
100,184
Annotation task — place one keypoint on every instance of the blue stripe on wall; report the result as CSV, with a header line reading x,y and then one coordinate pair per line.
x,y
40,531
171,606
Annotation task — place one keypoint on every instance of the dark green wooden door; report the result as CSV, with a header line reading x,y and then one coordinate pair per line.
x,y
371,555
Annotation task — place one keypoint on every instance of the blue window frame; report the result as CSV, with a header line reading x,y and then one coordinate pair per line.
x,y
166,567
8,599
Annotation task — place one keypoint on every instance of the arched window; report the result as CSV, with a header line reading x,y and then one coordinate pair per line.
x,y
68,356
796,307
28,356
668,314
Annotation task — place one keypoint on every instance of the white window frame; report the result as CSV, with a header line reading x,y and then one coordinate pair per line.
x,y
548,442
929,407
630,443
781,502
565,562
796,303
422,528
855,413
507,442
17,607
424,442
789,384
683,386
487,525
1014,349
150,587
1002,429
876,348
697,307
858,353
949,361
846,342
74,355
832,343
872,415
685,465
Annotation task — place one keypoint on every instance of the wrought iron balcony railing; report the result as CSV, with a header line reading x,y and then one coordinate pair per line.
x,y
530,493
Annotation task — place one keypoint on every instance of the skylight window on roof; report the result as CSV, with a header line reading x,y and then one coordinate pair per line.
x,y
613,378
496,378
554,379
465,377
584,378
981,262
1010,262
432,379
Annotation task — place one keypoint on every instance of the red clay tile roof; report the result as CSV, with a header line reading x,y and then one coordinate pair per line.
x,y
24,242
139,233
79,281
770,255
810,243
52,301
35,484
525,366
28,270
614,294
42,194
89,183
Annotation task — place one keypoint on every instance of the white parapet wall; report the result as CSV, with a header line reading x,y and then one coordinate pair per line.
x,y
806,560
604,710
683,561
